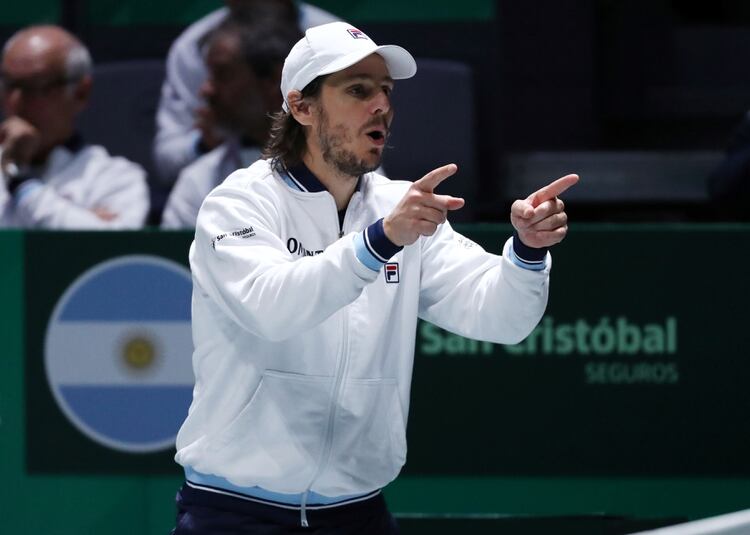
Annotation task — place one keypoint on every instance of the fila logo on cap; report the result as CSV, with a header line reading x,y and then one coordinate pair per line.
x,y
391,272
357,34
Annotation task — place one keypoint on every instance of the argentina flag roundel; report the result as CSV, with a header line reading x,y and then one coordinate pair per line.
x,y
118,352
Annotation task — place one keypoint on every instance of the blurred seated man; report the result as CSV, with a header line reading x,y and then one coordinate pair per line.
x,y
185,127
51,179
244,62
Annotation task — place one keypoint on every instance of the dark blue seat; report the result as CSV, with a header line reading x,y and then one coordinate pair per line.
x,y
434,125
121,115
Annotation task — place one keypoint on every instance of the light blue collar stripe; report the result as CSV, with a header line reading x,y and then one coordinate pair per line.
x,y
313,498
287,177
293,179
363,253
290,182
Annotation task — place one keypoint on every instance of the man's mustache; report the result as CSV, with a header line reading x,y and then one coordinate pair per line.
x,y
376,123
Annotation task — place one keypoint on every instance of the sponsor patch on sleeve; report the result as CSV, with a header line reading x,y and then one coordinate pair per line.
x,y
247,232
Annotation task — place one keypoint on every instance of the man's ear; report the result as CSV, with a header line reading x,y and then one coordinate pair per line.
x,y
82,92
302,109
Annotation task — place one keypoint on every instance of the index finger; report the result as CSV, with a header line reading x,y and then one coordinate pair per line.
x,y
432,179
550,191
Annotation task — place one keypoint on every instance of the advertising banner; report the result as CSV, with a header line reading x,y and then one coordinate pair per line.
x,y
639,367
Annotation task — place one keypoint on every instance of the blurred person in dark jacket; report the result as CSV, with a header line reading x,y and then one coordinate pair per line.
x,y
244,62
185,125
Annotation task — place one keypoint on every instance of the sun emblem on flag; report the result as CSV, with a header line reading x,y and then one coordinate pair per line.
x,y
139,353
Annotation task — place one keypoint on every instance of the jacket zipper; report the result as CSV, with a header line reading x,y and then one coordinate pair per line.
x,y
328,445
341,366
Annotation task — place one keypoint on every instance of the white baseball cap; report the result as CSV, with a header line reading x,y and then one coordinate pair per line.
x,y
333,47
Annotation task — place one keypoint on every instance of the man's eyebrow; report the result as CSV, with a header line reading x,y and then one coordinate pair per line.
x,y
369,77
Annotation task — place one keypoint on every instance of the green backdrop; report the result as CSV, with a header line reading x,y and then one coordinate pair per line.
x,y
183,12
567,423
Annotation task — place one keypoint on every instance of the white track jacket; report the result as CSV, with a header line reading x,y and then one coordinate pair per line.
x,y
303,352
72,186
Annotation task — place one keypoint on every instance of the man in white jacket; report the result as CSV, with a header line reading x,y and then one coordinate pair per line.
x,y
244,61
51,179
310,271
185,127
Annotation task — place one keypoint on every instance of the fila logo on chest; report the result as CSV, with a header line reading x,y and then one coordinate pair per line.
x,y
391,272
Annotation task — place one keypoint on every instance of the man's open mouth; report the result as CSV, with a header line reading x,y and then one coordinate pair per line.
x,y
377,136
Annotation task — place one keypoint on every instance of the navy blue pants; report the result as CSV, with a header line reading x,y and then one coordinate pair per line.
x,y
201,512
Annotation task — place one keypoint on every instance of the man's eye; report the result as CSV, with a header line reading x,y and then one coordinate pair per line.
x,y
357,90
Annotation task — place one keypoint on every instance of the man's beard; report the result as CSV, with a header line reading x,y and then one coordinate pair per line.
x,y
341,159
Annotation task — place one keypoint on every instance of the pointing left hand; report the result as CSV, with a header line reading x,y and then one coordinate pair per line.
x,y
540,219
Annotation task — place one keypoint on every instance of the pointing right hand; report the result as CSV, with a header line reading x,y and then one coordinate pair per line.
x,y
421,210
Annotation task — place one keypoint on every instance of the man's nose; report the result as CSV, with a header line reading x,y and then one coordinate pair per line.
x,y
381,103
207,88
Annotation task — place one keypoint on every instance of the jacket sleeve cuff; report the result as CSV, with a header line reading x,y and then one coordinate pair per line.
x,y
372,246
527,257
